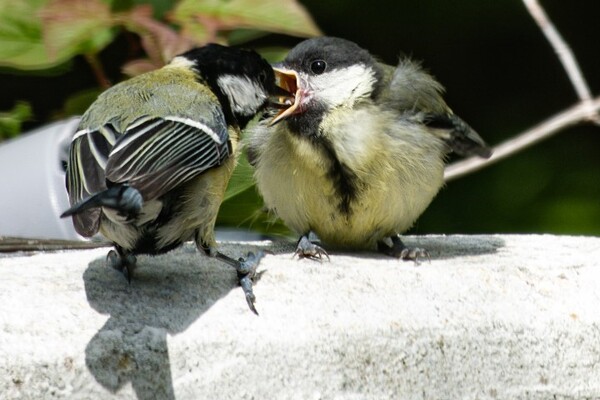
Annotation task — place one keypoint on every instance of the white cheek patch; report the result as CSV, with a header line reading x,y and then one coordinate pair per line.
x,y
343,87
181,62
245,96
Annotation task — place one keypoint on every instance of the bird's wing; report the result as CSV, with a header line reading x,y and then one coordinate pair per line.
x,y
458,135
155,155
413,91
85,173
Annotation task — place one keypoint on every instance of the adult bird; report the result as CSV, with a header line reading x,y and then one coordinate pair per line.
x,y
150,161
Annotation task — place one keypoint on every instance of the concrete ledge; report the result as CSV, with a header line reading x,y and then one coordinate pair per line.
x,y
489,317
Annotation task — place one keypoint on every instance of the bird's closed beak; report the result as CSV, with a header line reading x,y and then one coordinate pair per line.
x,y
287,80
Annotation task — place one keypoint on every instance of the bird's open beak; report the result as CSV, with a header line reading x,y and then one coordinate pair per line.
x,y
287,80
280,98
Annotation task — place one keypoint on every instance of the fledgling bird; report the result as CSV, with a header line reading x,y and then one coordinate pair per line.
x,y
360,153
152,156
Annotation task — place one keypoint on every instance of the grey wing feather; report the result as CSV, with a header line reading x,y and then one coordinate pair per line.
x,y
410,88
157,154
458,135
413,91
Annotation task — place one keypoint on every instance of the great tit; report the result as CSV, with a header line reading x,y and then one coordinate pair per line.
x,y
150,161
360,153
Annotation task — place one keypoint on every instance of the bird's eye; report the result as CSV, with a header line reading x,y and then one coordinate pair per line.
x,y
318,67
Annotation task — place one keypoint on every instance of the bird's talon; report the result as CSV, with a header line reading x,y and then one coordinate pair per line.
x,y
415,254
401,251
250,299
127,272
247,274
308,249
246,284
125,264
114,260
248,266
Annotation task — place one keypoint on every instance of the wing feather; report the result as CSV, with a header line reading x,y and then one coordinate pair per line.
x,y
85,173
412,91
157,154
153,154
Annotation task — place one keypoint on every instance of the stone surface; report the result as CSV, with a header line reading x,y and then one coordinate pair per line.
x,y
503,317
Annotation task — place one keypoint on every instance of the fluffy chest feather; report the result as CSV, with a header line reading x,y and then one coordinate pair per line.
x,y
367,179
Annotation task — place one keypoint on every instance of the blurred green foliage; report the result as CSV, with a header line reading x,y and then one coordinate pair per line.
x,y
11,120
65,29
501,76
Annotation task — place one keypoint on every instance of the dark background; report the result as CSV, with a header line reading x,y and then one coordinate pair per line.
x,y
501,76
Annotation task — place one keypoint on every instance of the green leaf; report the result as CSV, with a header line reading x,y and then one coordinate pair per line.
x,y
21,43
240,36
119,5
11,121
73,27
159,7
273,54
278,16
79,102
242,178
243,207
246,210
41,34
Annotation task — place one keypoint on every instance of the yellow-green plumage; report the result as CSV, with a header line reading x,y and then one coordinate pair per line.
x,y
152,157
398,171
360,155
171,90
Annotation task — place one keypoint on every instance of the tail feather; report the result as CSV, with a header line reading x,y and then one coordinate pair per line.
x,y
124,199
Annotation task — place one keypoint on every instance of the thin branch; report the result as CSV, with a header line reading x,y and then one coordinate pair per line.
x,y
565,55
571,116
586,109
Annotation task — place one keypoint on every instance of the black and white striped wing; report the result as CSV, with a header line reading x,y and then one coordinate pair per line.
x,y
85,173
155,155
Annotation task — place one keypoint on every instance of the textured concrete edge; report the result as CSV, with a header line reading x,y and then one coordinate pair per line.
x,y
488,317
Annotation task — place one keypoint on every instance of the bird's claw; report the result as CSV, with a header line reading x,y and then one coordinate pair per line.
x,y
122,263
414,254
247,273
399,250
246,284
250,263
308,249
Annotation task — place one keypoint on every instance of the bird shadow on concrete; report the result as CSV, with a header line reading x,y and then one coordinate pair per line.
x,y
166,295
456,246
439,247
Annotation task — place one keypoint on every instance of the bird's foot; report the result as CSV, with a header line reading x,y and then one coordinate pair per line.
x,y
246,271
124,263
401,251
307,249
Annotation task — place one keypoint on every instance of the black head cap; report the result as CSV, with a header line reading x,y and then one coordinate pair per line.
x,y
326,55
214,61
336,52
